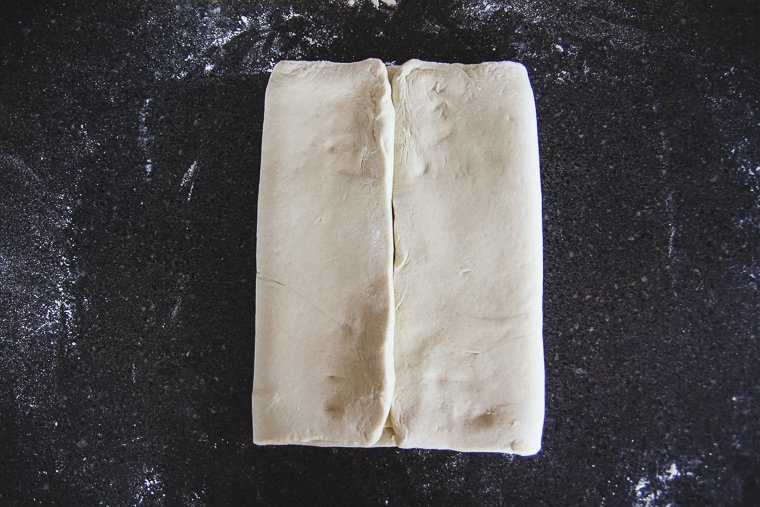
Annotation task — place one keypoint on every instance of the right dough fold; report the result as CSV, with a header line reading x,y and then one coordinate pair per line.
x,y
468,349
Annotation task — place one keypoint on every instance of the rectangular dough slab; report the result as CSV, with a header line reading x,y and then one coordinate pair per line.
x,y
468,273
323,372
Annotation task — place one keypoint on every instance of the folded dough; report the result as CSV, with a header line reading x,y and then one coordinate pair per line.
x,y
323,372
468,261
468,258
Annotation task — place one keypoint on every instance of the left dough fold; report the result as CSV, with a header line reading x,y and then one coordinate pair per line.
x,y
323,367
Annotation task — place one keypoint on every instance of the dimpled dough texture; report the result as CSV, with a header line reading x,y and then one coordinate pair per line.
x,y
323,372
468,262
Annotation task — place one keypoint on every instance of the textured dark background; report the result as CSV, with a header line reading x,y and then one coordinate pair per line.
x,y
129,150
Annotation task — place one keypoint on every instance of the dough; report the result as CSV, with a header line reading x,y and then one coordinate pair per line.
x,y
467,270
468,260
323,372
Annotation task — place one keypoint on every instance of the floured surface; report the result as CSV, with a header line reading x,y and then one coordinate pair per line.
x,y
468,265
648,135
323,370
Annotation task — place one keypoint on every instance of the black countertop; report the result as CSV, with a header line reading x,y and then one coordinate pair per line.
x,y
129,150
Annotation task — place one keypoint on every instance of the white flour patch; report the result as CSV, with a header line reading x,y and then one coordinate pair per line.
x,y
175,309
144,137
37,280
672,234
89,144
180,294
740,153
481,11
290,14
148,487
563,76
652,491
643,496
188,180
376,3
535,20
670,209
16,164
663,154
740,159
192,39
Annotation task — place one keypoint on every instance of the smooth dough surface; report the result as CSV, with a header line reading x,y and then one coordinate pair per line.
x,y
323,372
468,260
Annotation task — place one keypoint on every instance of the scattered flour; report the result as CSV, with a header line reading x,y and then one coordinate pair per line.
x,y
650,491
39,272
376,3
37,280
182,283
188,181
148,488
739,157
191,39
144,138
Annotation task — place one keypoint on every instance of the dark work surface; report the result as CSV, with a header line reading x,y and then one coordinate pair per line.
x,y
129,150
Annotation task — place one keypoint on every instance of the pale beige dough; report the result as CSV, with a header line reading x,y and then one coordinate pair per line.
x,y
323,372
468,260
468,361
